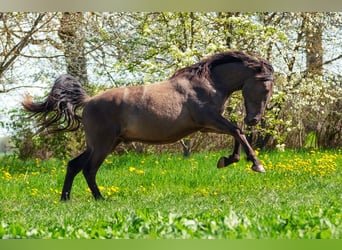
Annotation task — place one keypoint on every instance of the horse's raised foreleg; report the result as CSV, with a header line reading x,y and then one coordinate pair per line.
x,y
216,122
234,157
74,167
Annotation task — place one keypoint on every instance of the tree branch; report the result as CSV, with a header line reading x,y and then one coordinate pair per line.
x,y
15,51
332,60
41,57
19,87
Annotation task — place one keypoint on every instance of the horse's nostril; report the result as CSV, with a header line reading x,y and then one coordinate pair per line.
x,y
252,122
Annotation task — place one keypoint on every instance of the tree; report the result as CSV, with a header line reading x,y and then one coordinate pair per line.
x,y
306,91
71,44
73,38
15,37
313,28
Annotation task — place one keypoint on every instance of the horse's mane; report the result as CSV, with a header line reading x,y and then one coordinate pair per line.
x,y
263,68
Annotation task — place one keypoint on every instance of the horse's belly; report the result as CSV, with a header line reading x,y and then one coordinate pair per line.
x,y
157,131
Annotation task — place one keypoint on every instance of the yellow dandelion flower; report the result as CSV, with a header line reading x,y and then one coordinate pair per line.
x,y
57,191
7,176
139,171
34,191
204,192
114,189
131,169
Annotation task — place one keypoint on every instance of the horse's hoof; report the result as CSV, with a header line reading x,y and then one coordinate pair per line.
x,y
222,162
258,168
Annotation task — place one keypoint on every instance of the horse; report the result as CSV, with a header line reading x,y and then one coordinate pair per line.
x,y
192,99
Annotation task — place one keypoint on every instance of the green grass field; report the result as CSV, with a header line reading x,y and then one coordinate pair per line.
x,y
168,196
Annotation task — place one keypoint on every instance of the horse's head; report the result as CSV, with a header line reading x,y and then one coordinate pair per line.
x,y
256,94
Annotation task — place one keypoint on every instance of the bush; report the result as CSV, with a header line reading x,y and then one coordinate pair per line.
x,y
29,144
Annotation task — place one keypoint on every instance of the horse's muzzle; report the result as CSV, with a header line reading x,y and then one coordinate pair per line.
x,y
251,121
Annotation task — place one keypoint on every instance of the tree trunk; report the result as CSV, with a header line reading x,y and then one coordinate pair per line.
x,y
313,38
228,27
72,36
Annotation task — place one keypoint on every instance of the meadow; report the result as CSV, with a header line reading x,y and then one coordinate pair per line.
x,y
167,196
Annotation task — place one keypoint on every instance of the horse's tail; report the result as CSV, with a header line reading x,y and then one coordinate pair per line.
x,y
59,111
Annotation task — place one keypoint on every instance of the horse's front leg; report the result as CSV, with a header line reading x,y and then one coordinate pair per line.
x,y
234,157
215,122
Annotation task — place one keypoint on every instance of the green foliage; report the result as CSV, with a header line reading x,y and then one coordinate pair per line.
x,y
167,196
164,42
305,104
29,144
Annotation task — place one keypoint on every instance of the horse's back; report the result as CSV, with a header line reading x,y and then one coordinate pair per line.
x,y
154,113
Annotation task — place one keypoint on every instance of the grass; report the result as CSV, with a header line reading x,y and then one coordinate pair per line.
x,y
168,196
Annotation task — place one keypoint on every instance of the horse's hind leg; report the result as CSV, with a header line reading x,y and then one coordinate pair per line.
x,y
74,167
97,157
234,157
90,171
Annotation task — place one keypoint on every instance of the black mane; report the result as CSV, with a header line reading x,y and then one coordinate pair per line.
x,y
263,68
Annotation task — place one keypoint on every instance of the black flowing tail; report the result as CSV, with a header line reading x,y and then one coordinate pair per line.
x,y
59,110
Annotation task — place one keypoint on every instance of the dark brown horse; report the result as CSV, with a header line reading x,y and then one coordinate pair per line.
x,y
190,100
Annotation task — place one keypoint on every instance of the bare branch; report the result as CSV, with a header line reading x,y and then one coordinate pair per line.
x,y
332,60
41,57
20,87
15,51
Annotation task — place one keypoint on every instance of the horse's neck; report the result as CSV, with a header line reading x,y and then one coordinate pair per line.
x,y
230,77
